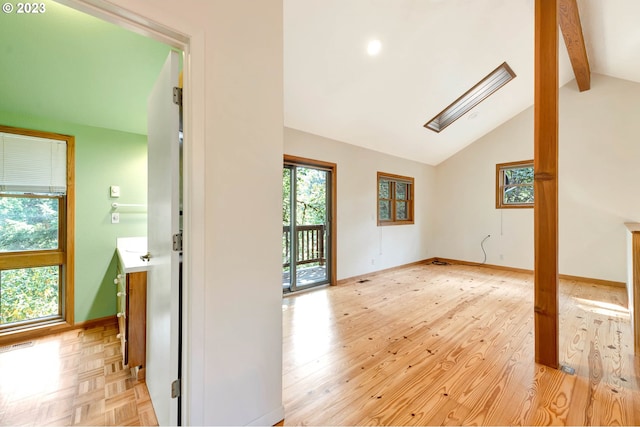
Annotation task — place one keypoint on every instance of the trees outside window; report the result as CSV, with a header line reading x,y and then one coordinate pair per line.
x,y
514,185
36,203
29,224
395,199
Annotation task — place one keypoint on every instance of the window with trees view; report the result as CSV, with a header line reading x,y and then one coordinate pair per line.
x,y
395,199
514,185
35,198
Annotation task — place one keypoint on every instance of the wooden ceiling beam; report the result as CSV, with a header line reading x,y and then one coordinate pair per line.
x,y
574,40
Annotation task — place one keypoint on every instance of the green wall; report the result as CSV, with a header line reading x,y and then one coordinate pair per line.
x,y
104,157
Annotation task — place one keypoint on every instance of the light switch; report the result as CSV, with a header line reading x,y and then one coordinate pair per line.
x,y
114,190
115,217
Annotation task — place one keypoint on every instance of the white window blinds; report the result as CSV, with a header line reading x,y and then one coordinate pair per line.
x,y
30,164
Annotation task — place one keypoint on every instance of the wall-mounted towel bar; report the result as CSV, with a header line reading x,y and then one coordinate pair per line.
x,y
127,205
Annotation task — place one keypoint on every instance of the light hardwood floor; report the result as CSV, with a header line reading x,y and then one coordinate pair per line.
x,y
72,378
436,345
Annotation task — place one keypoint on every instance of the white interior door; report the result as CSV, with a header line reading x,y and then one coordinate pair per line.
x,y
163,223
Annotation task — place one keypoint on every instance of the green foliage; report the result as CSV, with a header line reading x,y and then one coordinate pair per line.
x,y
311,207
311,204
286,196
518,185
311,189
28,223
384,192
393,192
384,189
384,209
28,293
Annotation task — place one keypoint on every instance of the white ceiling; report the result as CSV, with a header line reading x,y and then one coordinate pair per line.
x,y
432,52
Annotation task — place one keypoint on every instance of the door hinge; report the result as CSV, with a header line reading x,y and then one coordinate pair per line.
x,y
177,242
175,389
177,96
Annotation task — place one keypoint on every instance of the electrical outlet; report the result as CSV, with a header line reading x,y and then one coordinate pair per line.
x,y
373,261
115,217
501,257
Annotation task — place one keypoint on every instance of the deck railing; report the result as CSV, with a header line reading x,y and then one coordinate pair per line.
x,y
310,245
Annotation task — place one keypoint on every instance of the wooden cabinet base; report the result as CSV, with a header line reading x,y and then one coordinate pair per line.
x,y
138,373
132,321
136,318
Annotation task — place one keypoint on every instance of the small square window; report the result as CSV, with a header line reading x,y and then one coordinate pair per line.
x,y
514,185
395,199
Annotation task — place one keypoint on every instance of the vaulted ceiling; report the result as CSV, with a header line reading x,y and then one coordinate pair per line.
x,y
432,52
68,66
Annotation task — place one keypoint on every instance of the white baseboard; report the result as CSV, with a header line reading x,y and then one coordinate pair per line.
x,y
270,419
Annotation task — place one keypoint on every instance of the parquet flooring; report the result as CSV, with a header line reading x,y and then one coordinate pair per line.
x,y
72,378
454,345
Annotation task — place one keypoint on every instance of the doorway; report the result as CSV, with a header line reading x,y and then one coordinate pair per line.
x,y
308,229
71,13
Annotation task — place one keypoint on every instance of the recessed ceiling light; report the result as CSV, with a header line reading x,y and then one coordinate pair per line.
x,y
485,87
374,47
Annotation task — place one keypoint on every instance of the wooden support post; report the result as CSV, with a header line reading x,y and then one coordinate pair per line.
x,y
545,165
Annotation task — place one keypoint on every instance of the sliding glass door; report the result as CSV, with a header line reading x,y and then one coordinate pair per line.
x,y
306,213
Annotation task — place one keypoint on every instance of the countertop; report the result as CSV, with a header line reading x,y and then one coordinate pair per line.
x,y
129,250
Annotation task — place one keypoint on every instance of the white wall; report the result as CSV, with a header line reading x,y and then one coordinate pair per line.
x,y
233,164
362,246
598,179
466,211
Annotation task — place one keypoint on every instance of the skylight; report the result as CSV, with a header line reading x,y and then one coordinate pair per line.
x,y
485,87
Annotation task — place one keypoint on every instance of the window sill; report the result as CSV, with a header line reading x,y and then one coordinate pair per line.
x,y
514,207
386,223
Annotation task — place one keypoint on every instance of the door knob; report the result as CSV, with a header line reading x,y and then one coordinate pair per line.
x,y
145,257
